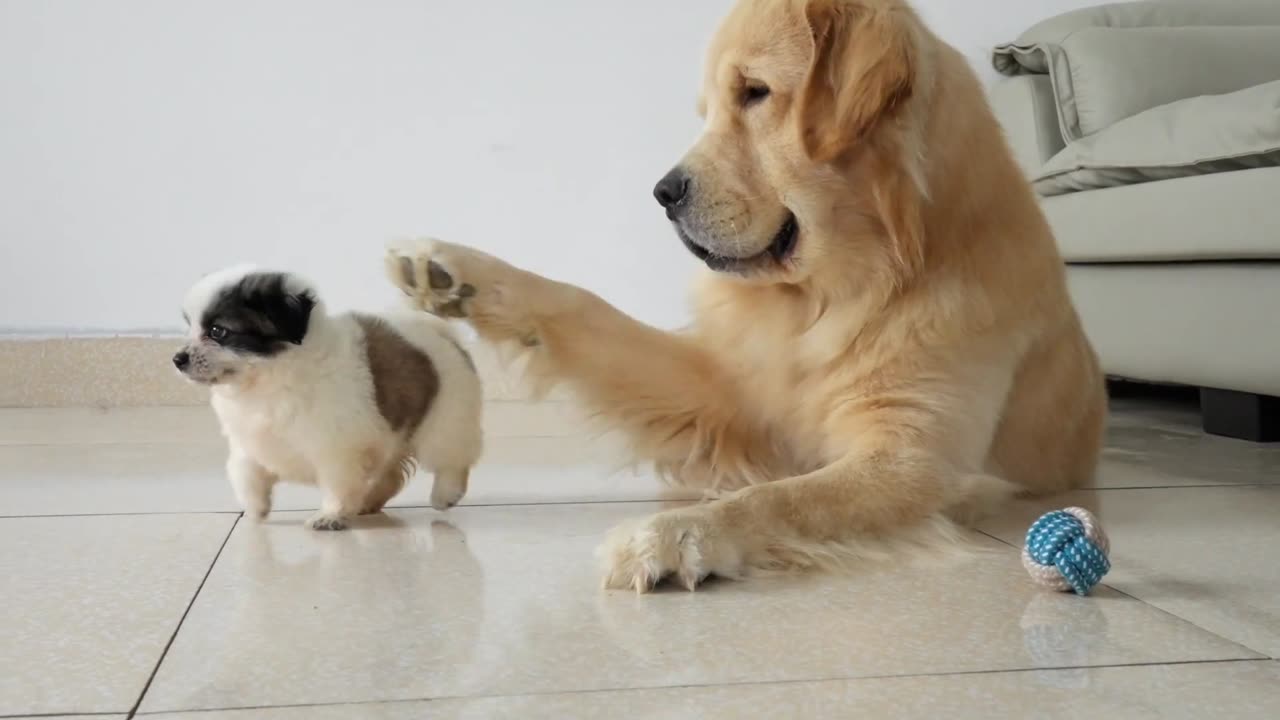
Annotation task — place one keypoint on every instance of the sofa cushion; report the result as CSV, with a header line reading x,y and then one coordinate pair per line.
x,y
1197,136
1227,216
1110,62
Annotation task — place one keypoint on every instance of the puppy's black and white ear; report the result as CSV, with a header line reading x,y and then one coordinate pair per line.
x,y
282,302
290,313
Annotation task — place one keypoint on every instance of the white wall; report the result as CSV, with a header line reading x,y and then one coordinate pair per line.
x,y
144,142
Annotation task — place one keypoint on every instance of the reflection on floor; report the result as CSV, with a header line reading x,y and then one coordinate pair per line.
x,y
133,586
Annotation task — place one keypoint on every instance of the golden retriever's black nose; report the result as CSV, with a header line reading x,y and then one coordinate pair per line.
x,y
672,189
182,360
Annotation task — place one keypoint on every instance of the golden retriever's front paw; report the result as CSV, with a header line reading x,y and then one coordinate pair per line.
x,y
441,277
686,544
458,282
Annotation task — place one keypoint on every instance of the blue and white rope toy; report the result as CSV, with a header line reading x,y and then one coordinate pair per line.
x,y
1067,550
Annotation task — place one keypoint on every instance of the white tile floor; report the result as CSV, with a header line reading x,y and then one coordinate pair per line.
x,y
131,586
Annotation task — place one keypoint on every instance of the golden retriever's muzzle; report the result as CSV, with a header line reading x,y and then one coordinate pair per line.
x,y
719,244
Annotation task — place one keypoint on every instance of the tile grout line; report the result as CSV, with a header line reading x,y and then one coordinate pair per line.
x,y
1157,608
463,506
1261,655
540,503
1018,549
150,513
55,715
1178,487
164,652
696,686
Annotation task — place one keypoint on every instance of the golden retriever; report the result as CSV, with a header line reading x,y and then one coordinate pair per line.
x,y
883,340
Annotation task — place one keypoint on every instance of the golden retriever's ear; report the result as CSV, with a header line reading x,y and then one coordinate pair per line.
x,y
861,69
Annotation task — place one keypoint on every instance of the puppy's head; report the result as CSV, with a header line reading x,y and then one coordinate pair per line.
x,y
240,318
803,107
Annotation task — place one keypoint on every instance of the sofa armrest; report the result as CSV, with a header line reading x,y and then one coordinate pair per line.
x,y
1025,107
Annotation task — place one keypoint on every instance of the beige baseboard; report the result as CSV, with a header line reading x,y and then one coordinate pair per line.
x,y
137,372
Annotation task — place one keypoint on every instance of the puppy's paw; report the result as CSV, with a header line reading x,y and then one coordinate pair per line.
x,y
443,499
326,522
252,485
436,274
686,544
448,489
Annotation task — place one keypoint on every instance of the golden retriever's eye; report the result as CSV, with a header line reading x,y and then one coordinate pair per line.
x,y
753,93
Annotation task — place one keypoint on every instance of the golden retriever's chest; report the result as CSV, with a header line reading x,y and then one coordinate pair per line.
x,y
794,375
791,392
797,402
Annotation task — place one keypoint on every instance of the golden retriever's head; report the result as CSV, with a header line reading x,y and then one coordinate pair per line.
x,y
807,135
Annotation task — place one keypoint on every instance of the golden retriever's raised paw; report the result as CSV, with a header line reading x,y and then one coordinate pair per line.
x,y
433,273
455,281
686,545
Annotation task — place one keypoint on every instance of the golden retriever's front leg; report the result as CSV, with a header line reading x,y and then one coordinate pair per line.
x,y
822,518
665,391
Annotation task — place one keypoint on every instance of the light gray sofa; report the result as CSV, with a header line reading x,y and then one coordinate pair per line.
x,y
1152,132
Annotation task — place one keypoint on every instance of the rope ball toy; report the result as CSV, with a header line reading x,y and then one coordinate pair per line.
x,y
1067,550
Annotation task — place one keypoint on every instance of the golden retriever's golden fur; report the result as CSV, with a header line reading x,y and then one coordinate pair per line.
x,y
885,340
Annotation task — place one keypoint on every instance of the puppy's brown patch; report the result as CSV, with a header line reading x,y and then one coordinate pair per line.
x,y
405,381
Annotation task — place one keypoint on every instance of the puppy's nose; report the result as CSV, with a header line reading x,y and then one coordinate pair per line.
x,y
672,189
182,360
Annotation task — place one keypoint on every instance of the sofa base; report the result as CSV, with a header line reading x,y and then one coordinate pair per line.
x,y
1192,324
1245,416
1226,413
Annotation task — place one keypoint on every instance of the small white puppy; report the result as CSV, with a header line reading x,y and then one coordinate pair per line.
x,y
350,403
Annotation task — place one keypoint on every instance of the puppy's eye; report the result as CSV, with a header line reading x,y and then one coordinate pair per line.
x,y
753,93
217,333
